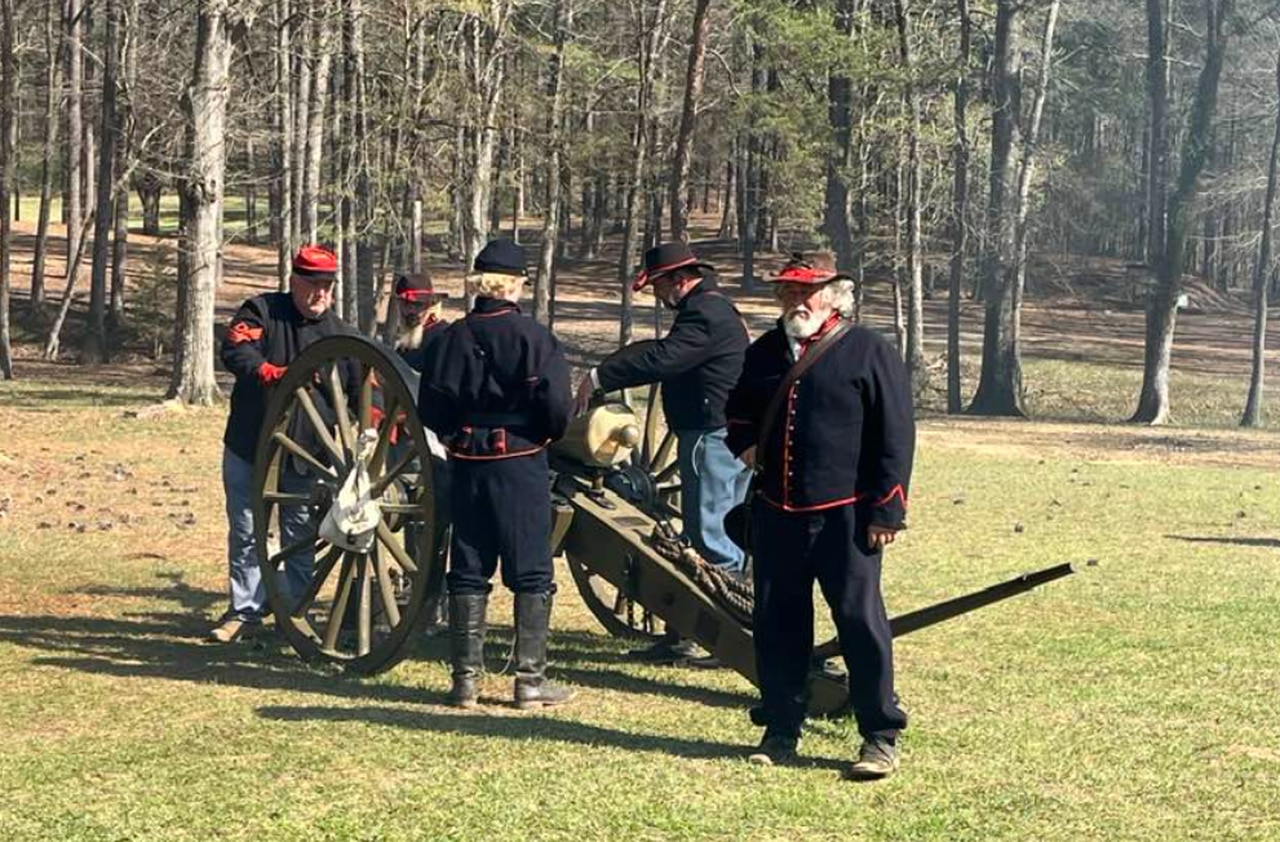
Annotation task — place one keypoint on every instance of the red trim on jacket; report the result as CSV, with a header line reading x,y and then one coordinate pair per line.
x,y
896,491
817,507
242,332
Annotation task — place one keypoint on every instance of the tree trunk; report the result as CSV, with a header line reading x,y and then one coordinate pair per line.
x,y
8,84
649,32
282,116
73,22
300,90
1000,384
484,47
542,298
1162,311
206,106
1158,127
52,343
52,81
96,346
1030,139
959,210
315,127
125,116
915,247
688,117
364,211
835,217
1261,273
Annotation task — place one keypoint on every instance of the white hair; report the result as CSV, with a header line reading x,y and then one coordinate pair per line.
x,y
840,294
495,285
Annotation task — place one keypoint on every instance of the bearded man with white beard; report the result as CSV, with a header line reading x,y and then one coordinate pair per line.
x,y
832,451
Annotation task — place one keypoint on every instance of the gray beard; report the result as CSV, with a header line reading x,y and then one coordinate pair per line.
x,y
798,326
411,338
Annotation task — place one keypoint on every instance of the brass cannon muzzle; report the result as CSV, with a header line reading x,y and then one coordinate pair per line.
x,y
601,437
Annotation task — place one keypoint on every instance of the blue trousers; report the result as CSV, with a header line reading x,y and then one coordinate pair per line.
x,y
248,595
712,481
501,511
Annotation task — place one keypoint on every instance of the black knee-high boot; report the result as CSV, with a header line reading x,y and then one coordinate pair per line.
x,y
533,618
466,644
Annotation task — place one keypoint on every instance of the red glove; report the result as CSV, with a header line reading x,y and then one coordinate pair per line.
x,y
269,375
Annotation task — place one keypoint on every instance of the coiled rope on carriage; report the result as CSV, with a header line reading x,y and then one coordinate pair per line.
x,y
732,593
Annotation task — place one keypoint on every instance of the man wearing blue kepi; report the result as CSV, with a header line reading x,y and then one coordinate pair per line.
x,y
697,363
495,388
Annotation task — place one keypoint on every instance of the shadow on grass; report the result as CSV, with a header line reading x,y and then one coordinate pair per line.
x,y
521,727
170,645
1239,542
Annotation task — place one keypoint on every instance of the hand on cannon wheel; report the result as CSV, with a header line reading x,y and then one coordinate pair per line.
x,y
582,397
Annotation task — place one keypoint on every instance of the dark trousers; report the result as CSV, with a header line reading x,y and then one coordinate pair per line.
x,y
501,510
792,550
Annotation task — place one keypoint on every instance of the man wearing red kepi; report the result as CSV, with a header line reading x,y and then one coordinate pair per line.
x,y
823,410
267,333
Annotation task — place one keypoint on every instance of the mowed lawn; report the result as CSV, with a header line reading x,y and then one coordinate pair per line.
x,y
1135,700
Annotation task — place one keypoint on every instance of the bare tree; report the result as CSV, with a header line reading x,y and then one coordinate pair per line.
x,y
1162,307
915,247
651,26
205,103
282,117
8,70
96,346
959,208
52,82
1261,277
543,300
73,33
688,119
483,57
1000,384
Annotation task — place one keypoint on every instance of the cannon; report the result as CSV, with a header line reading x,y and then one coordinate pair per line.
x,y
345,412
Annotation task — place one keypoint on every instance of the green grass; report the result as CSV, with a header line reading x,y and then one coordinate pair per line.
x,y
1134,701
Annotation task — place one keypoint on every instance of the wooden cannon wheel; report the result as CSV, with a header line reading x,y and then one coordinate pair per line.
x,y
361,602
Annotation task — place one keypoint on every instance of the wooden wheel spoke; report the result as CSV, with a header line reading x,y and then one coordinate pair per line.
x,y
388,540
322,429
387,590
305,542
318,578
379,459
663,454
380,484
282,498
341,408
301,452
339,608
407,511
667,472
364,634
669,490
366,399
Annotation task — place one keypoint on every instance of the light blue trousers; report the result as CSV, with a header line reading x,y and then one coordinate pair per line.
x,y
712,481
248,595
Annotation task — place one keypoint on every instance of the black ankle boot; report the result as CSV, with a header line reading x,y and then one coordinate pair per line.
x,y
466,645
533,618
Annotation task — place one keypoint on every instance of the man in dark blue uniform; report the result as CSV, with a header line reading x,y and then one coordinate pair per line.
x,y
831,492
265,335
495,388
697,363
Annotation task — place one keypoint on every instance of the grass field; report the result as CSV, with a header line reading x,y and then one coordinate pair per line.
x,y
1136,700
